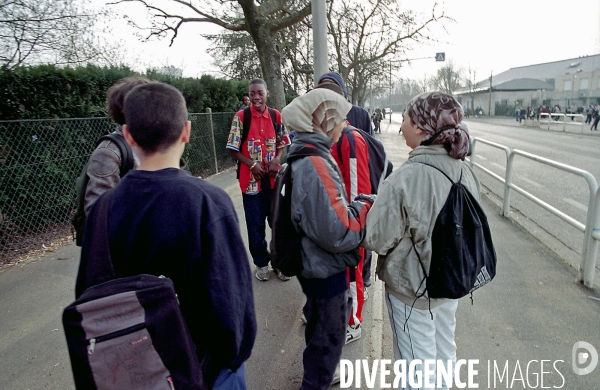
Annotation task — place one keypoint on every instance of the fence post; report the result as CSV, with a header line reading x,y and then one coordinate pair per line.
x,y
212,137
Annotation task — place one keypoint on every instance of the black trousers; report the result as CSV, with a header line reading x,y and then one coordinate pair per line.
x,y
325,334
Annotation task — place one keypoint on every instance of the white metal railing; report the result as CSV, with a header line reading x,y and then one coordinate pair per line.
x,y
547,119
591,229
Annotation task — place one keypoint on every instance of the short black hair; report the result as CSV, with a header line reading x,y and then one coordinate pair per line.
x,y
258,81
155,114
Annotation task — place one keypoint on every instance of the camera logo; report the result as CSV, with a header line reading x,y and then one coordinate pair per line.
x,y
584,354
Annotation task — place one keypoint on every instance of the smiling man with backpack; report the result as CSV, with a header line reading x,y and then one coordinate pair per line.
x,y
257,140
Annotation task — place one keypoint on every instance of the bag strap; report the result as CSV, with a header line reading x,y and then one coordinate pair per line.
x,y
444,173
124,149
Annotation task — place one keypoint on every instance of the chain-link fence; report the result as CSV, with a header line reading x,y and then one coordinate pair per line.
x,y
41,159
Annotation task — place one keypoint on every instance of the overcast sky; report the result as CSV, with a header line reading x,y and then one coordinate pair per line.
x,y
487,36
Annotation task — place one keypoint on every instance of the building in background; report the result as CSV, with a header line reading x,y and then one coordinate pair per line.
x,y
569,83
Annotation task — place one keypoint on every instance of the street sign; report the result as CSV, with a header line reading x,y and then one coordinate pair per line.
x,y
440,56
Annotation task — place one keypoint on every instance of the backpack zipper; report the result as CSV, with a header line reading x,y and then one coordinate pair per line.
x,y
92,342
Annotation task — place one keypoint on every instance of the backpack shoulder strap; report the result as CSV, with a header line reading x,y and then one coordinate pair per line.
x,y
444,173
246,125
124,149
273,117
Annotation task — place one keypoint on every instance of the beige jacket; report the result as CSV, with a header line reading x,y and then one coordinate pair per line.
x,y
408,204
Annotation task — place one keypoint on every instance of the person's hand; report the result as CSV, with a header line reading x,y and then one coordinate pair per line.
x,y
257,171
366,198
273,166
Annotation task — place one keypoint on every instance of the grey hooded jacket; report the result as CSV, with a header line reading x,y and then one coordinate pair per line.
x,y
332,227
408,204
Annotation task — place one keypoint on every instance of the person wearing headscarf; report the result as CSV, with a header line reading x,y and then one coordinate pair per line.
x,y
406,209
331,226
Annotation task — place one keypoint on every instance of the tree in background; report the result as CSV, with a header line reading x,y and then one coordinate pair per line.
x,y
52,32
261,20
370,36
238,57
448,78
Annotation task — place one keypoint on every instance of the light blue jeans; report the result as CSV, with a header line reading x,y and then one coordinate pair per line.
x,y
417,336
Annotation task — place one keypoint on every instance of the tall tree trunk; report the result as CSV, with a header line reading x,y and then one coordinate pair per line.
x,y
270,62
269,53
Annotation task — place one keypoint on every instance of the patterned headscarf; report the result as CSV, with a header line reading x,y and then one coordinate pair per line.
x,y
439,115
317,111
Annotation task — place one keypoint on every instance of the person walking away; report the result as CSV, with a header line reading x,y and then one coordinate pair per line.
x,y
405,211
377,120
588,114
331,226
164,221
596,116
258,154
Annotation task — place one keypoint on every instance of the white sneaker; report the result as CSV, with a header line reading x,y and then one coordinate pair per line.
x,y
353,333
262,273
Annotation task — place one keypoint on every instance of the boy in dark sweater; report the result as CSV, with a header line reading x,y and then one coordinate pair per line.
x,y
164,221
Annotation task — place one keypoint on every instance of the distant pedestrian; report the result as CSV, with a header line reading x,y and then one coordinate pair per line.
x,y
245,103
517,114
377,117
596,115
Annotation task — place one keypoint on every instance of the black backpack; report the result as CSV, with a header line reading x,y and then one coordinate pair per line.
x,y
78,220
379,165
463,257
128,333
246,129
286,241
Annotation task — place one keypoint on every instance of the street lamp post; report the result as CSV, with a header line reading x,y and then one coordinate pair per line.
x,y
390,98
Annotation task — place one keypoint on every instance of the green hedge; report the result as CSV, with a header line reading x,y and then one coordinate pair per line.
x,y
47,91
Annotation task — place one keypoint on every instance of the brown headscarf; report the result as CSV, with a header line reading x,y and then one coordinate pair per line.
x,y
439,116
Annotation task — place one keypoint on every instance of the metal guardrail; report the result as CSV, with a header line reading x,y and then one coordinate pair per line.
x,y
591,229
548,119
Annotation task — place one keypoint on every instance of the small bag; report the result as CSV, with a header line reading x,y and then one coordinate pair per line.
x,y
128,333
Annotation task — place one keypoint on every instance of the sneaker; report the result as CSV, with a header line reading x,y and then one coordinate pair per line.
x,y
366,294
304,320
262,273
353,333
281,276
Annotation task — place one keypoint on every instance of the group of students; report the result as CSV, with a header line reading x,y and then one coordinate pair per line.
x,y
164,221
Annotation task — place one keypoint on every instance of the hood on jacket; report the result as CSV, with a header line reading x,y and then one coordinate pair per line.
x,y
317,111
337,78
